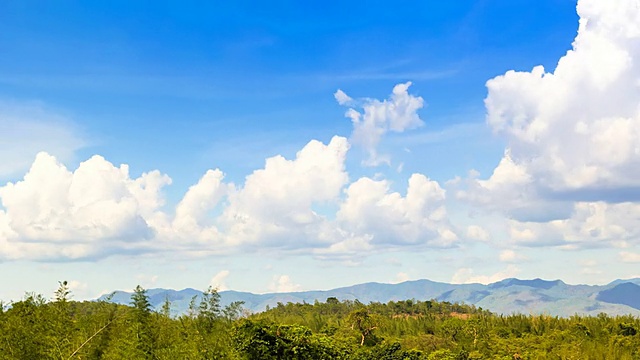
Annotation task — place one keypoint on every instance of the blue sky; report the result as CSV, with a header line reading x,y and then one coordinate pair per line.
x,y
433,160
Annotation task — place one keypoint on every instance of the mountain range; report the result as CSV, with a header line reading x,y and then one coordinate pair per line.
x,y
508,296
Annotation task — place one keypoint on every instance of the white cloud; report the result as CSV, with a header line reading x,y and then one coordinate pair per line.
x,y
397,114
193,223
468,276
373,212
275,205
98,210
575,132
283,283
342,98
219,280
54,212
29,128
591,224
568,176
199,199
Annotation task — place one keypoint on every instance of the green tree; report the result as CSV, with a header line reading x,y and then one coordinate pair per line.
x,y
166,307
364,323
141,323
233,311
209,308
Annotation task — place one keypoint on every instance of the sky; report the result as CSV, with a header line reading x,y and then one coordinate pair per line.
x,y
290,146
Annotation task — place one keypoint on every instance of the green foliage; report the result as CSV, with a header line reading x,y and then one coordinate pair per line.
x,y
233,311
166,307
264,340
63,292
209,308
35,328
364,323
140,330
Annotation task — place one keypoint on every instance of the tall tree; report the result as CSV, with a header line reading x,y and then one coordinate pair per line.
x,y
363,322
142,322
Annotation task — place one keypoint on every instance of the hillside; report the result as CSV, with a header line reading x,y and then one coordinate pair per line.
x,y
508,296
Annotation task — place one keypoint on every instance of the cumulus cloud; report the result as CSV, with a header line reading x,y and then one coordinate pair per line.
x,y
398,114
576,130
29,128
192,222
468,276
568,176
199,199
591,224
381,216
54,212
98,209
219,280
283,283
276,203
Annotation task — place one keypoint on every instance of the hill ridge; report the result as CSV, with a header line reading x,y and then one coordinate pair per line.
x,y
511,295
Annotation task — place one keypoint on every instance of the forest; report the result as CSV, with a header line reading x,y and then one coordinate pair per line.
x,y
60,328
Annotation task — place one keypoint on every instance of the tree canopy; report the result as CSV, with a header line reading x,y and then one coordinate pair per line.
x,y
61,328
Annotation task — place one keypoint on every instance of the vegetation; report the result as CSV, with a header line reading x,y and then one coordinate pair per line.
x,y
37,328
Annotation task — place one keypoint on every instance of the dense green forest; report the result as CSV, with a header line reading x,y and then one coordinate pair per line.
x,y
37,328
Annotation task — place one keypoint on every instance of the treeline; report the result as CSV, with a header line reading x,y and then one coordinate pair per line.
x,y
37,328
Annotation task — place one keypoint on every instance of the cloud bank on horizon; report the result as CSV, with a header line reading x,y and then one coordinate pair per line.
x,y
568,178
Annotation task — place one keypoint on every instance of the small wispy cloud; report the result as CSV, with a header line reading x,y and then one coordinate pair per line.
x,y
375,118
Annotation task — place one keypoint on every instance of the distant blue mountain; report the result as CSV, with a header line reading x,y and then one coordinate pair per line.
x,y
535,283
505,297
626,293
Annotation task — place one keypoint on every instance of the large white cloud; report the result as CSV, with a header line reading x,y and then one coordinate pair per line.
x,y
397,114
305,204
574,133
372,211
55,212
193,225
276,204
569,175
